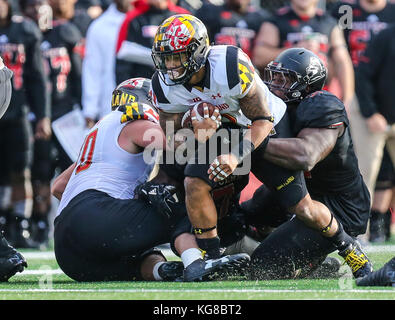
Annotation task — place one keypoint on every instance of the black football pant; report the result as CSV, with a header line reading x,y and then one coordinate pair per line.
x,y
99,238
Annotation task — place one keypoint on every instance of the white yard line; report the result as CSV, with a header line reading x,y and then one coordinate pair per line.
x,y
202,290
168,253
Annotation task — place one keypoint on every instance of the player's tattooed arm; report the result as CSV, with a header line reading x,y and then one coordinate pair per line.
x,y
255,107
303,152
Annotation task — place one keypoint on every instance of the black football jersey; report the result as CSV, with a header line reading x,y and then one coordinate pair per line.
x,y
364,26
225,26
63,66
294,28
20,48
339,171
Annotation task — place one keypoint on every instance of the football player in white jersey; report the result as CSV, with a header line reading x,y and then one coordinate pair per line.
x,y
101,231
189,70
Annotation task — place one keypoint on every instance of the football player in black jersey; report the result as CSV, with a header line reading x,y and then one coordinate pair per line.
x,y
11,261
63,67
20,49
323,148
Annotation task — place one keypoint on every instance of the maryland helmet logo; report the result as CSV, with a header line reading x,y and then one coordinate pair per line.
x,y
176,32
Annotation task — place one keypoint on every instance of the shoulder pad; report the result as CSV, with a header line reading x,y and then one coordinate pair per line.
x,y
138,111
320,109
240,70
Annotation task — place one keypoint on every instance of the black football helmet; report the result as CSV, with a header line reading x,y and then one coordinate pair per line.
x,y
182,38
297,72
131,90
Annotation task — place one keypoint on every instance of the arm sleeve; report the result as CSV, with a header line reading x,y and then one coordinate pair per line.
x,y
367,73
5,89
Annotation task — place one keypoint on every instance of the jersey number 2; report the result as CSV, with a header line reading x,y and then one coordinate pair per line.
x,y
85,160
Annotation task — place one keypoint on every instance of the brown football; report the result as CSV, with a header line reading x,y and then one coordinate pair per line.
x,y
186,121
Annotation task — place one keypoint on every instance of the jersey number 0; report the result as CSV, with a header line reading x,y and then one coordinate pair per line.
x,y
85,160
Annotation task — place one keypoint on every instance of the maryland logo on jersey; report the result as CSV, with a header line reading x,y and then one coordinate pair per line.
x,y
246,71
138,111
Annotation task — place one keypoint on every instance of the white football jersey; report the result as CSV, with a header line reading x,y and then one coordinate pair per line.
x,y
229,75
103,165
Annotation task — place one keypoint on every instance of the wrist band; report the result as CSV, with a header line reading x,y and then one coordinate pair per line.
x,y
202,230
268,118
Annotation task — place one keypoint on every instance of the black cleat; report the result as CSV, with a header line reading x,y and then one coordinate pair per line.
x,y
171,271
10,265
11,261
357,260
329,268
215,269
385,276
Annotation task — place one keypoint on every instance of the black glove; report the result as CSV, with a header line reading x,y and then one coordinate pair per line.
x,y
162,197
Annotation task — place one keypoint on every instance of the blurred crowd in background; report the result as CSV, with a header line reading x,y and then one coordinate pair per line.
x,y
69,55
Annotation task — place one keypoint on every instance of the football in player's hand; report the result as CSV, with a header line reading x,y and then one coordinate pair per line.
x,y
186,121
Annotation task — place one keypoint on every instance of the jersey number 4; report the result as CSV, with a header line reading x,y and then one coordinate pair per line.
x,y
88,147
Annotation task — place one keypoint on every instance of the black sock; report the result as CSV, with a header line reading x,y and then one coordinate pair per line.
x,y
341,239
211,246
387,224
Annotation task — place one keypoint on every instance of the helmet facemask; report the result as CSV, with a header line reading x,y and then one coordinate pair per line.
x,y
177,66
289,82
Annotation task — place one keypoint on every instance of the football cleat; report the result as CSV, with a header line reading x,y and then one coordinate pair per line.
x,y
357,260
385,276
11,261
215,269
171,271
329,268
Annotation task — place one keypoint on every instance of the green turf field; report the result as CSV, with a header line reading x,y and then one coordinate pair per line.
x,y
44,280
